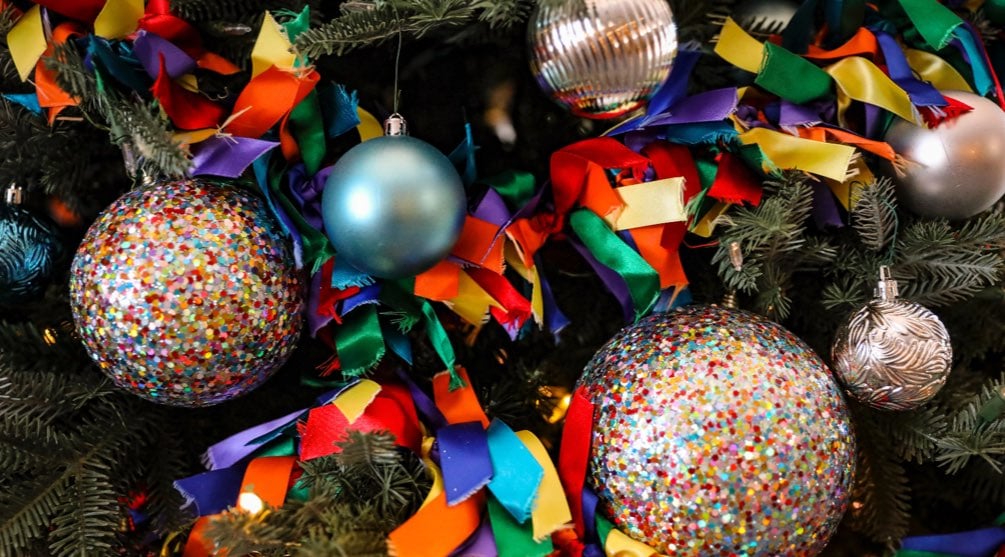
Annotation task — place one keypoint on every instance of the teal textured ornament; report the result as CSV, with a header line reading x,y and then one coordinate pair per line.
x,y
393,206
29,248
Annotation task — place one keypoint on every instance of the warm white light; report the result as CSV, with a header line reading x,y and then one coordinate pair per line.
x,y
250,503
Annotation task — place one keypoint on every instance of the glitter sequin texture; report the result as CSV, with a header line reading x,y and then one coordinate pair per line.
x,y
186,294
718,433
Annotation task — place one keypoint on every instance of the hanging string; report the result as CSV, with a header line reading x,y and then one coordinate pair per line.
x,y
397,64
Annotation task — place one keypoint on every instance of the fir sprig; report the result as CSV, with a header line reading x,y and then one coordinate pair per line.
x,y
378,21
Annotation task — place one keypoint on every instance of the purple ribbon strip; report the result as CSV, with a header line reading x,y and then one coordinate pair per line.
x,y
976,543
423,403
709,106
148,48
481,544
464,457
920,92
307,192
612,280
227,156
212,492
233,449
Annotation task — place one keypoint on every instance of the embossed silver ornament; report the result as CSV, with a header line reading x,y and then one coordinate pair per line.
x,y
602,58
892,354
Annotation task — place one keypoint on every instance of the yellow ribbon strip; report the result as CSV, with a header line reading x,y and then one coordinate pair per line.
x,y
860,80
937,71
551,509
830,160
272,48
621,545
529,274
739,48
118,18
648,203
706,226
26,41
354,400
472,301
847,192
369,127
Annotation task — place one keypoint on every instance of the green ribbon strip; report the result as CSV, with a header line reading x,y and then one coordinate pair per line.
x,y
308,128
516,188
441,344
792,77
406,312
604,528
359,342
298,24
934,22
512,538
643,281
409,310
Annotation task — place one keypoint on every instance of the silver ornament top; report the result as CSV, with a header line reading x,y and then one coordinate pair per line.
x,y
14,195
395,125
886,288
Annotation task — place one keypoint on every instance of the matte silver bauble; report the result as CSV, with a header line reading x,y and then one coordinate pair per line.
x,y
393,206
602,58
892,354
957,169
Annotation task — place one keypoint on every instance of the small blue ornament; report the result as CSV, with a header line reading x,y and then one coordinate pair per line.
x,y
393,206
29,249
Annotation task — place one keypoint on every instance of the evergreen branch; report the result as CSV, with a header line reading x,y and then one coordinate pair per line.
x,y
141,125
366,450
881,507
774,244
131,121
88,515
874,214
970,436
200,11
385,19
942,265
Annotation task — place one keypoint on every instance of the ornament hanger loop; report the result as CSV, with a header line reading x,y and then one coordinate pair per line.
x,y
14,195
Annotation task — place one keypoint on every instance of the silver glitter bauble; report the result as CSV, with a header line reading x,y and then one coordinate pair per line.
x,y
718,432
602,58
892,354
185,293
957,169
393,206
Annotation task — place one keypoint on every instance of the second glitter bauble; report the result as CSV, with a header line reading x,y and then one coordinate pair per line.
x,y
186,294
718,432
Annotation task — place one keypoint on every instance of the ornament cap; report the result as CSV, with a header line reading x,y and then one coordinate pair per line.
x,y
886,288
14,195
395,125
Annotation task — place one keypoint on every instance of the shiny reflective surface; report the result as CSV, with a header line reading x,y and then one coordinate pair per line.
x,y
957,169
393,206
602,58
892,354
717,432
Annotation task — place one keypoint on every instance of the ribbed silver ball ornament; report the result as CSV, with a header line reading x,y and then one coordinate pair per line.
x,y
602,58
892,354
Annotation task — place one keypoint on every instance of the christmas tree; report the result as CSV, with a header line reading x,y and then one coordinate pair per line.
x,y
207,347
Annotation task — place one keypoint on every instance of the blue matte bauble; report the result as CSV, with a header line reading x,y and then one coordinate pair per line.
x,y
393,206
29,248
